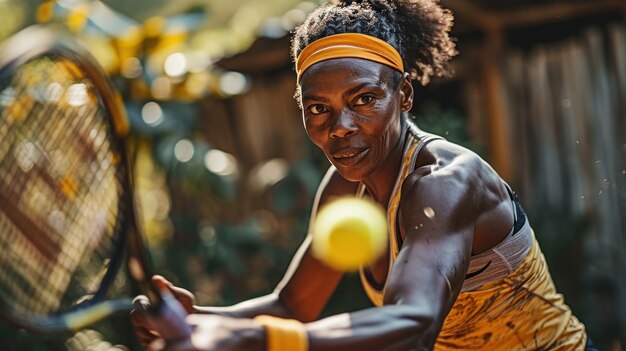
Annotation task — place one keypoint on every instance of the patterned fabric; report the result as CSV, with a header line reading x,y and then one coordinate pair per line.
x,y
522,311
499,261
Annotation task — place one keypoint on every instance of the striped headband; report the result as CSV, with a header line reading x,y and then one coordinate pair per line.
x,y
353,45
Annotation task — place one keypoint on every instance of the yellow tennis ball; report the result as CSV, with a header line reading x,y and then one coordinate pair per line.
x,y
349,232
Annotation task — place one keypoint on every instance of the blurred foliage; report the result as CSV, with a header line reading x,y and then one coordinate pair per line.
x,y
449,123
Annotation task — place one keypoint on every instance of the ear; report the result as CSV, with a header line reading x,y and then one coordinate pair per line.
x,y
406,93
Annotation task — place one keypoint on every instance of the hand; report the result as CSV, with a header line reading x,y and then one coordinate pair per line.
x,y
147,335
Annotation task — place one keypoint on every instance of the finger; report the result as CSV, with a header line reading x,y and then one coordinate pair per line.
x,y
144,333
184,296
138,314
141,302
147,338
160,281
139,319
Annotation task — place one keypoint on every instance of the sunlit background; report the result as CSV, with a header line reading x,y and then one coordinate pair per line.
x,y
225,174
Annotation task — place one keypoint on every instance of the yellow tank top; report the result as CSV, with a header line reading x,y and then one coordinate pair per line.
x,y
521,311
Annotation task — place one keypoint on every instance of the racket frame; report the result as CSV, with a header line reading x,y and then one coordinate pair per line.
x,y
37,41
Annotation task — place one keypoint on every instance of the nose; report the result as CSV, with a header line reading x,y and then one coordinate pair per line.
x,y
343,126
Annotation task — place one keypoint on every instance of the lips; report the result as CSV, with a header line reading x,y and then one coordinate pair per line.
x,y
349,156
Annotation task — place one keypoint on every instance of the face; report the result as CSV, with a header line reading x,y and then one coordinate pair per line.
x,y
351,111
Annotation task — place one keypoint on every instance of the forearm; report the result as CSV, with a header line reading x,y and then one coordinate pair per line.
x,y
269,304
388,328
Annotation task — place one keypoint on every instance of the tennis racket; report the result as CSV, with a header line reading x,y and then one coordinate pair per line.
x,y
67,218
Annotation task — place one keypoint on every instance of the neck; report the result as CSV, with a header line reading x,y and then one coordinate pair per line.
x,y
380,184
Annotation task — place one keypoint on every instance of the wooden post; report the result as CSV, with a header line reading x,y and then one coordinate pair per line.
x,y
498,132
499,145
493,23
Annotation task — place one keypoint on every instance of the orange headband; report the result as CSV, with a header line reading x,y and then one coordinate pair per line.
x,y
349,45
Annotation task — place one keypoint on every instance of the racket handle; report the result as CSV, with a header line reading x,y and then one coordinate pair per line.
x,y
169,320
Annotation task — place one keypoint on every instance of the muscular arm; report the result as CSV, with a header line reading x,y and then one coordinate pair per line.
x,y
308,283
437,217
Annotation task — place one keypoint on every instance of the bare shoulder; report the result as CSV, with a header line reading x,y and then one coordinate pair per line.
x,y
449,181
450,164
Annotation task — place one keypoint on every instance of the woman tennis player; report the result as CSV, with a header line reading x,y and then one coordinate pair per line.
x,y
463,270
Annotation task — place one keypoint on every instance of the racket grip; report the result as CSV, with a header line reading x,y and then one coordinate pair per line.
x,y
169,320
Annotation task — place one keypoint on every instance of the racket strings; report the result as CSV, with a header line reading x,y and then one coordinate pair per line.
x,y
31,156
60,187
33,191
14,186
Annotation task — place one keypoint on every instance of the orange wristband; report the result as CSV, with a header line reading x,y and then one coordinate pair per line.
x,y
284,334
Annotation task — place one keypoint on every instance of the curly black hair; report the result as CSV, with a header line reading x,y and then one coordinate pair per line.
x,y
418,29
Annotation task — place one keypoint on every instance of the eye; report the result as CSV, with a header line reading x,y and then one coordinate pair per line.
x,y
317,109
364,100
